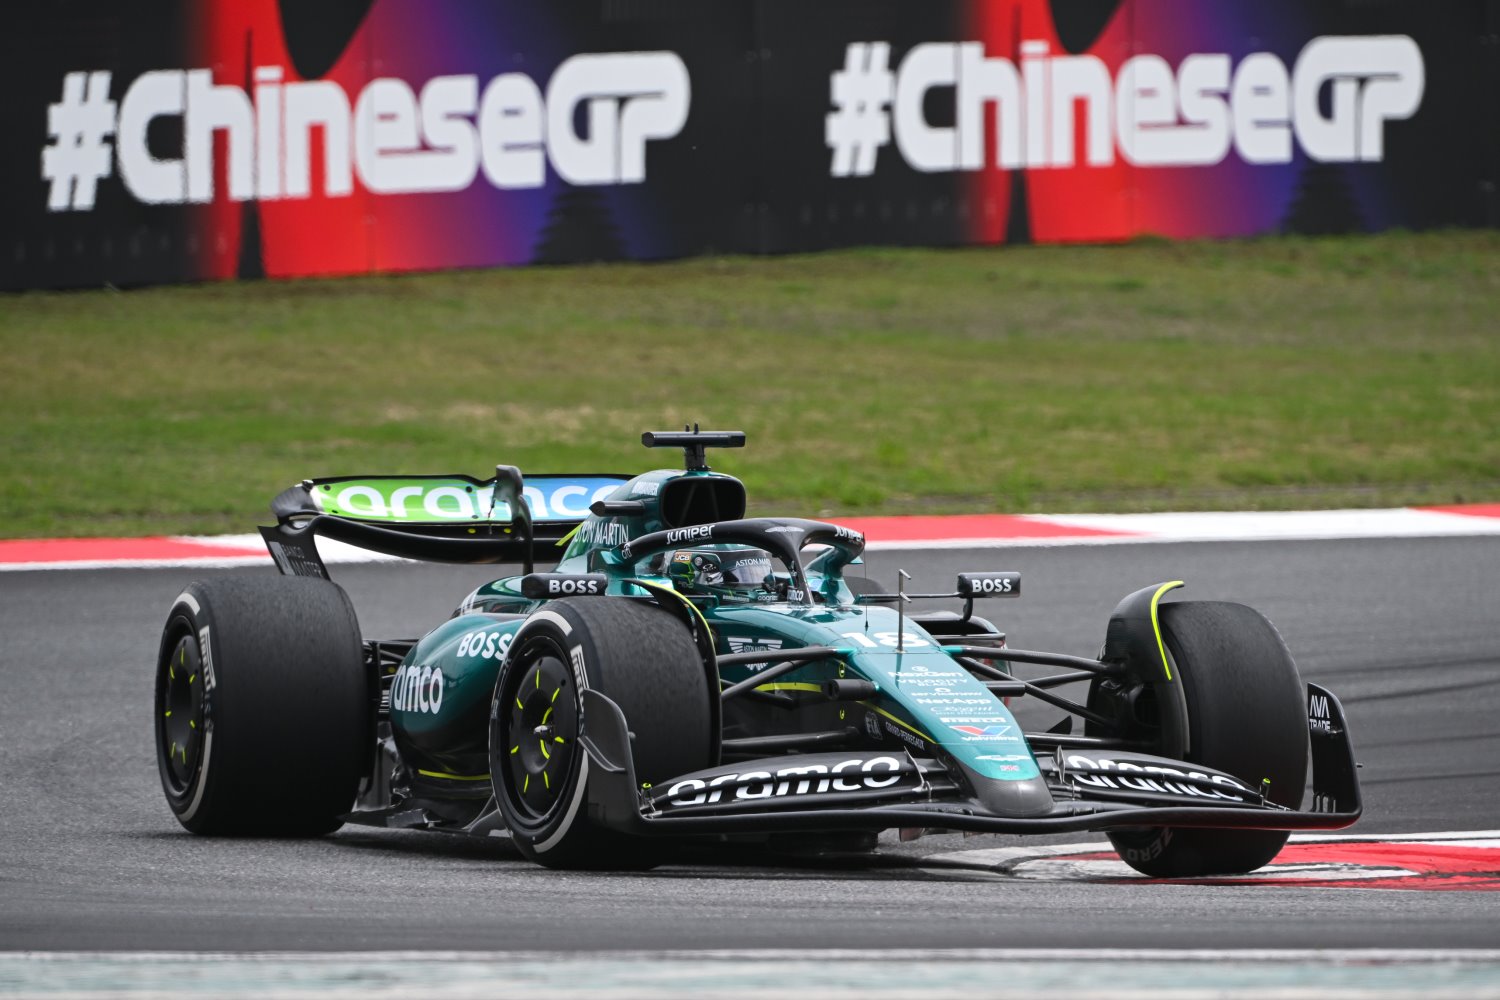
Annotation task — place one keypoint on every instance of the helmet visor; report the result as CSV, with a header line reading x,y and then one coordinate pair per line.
x,y
746,570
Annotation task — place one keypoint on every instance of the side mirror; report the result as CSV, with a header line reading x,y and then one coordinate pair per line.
x,y
972,585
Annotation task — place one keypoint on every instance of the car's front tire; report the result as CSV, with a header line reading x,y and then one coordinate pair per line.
x,y
263,707
1246,715
636,654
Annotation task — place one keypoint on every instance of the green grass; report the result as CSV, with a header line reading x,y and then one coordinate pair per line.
x,y
1282,372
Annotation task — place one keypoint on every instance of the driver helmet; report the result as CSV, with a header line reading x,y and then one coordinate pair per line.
x,y
721,570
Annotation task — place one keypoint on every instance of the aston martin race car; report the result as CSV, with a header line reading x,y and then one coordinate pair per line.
x,y
685,673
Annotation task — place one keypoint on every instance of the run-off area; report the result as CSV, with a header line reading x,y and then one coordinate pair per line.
x,y
935,974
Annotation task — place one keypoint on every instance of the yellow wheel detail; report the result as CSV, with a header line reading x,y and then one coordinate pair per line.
x,y
538,714
181,705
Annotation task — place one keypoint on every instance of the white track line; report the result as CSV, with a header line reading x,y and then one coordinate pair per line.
x,y
1080,954
1128,529
1228,526
763,974
1221,526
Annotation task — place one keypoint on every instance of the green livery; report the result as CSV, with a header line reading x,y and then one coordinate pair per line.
x,y
686,672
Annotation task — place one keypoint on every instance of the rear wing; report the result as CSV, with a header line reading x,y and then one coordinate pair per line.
x,y
454,519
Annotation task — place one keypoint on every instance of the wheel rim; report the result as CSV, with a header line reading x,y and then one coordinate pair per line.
x,y
180,712
542,730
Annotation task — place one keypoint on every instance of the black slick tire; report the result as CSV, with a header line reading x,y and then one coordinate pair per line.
x,y
1246,710
263,707
638,655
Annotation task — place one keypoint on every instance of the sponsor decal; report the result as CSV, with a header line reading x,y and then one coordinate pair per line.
x,y
580,672
206,652
1154,849
941,101
784,529
1318,715
603,533
872,725
982,711
565,501
1105,773
575,585
848,534
417,688
989,584
695,533
451,503
292,561
394,137
808,778
650,489
750,644
484,645
983,732
457,500
904,735
1004,758
542,586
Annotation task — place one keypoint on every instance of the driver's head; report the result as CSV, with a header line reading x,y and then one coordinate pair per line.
x,y
720,570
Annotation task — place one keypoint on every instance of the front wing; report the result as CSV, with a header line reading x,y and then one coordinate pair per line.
x,y
844,791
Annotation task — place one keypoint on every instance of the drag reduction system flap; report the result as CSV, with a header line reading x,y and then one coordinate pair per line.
x,y
452,518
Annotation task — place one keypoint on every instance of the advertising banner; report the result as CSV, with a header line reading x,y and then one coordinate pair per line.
x,y
161,141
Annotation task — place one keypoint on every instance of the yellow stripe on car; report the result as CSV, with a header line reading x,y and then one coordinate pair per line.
x,y
1156,623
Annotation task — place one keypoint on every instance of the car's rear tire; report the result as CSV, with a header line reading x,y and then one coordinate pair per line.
x,y
643,659
263,707
1246,716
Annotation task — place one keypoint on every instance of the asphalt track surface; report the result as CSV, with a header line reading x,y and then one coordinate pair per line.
x,y
1404,631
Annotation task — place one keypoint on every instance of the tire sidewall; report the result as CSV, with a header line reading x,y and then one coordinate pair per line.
x,y
553,627
191,619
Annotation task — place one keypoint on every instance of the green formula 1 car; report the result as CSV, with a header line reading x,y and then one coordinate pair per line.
x,y
688,673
